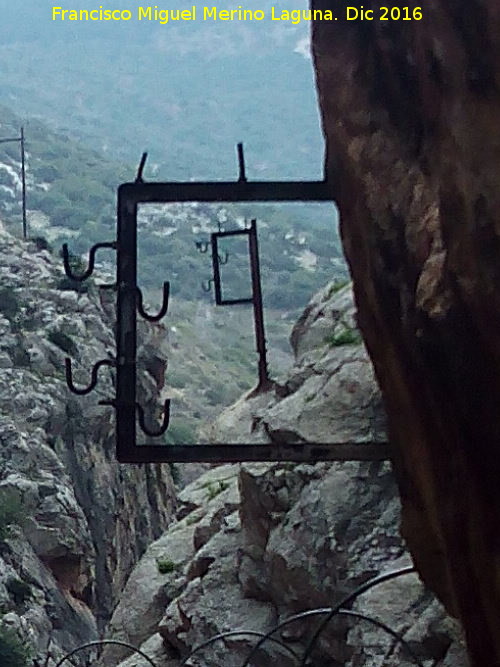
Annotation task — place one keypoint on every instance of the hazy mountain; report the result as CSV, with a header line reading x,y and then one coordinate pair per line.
x,y
187,92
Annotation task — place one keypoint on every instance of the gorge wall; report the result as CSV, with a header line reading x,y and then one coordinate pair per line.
x,y
410,113
73,522
253,544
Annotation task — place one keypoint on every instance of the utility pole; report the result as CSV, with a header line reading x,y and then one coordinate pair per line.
x,y
20,139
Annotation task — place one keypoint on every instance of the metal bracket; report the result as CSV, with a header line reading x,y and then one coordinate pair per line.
x,y
93,382
130,302
91,263
164,306
264,383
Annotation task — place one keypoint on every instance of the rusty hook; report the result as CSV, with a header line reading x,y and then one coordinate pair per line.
x,y
90,269
164,306
93,381
201,246
165,422
206,286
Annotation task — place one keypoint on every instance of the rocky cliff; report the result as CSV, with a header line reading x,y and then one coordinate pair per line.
x,y
72,522
256,543
410,114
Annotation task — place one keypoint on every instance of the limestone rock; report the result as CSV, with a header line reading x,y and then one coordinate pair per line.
x,y
409,111
83,521
256,543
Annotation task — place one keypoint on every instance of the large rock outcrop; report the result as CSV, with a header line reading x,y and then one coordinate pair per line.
x,y
256,543
83,520
410,113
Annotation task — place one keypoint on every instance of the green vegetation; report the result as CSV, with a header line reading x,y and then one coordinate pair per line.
x,y
336,287
345,337
63,341
20,358
41,243
18,589
214,488
192,518
174,472
10,305
11,513
13,651
166,566
180,433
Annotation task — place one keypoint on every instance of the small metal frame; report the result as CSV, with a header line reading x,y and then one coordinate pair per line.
x,y
264,382
129,302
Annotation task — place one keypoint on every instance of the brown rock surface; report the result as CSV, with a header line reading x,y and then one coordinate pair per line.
x,y
410,113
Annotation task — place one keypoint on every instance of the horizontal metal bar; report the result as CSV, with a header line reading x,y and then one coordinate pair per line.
x,y
4,141
135,193
233,302
233,232
233,453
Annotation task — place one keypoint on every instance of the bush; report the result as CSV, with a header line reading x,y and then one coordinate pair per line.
x,y
9,303
336,287
20,358
13,651
41,243
214,488
63,341
19,590
346,337
175,473
166,566
66,284
11,513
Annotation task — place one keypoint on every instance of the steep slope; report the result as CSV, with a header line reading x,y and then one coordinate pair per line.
x,y
71,193
410,113
83,521
254,544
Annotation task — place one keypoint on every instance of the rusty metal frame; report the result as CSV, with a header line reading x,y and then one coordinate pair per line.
x,y
130,196
130,302
264,381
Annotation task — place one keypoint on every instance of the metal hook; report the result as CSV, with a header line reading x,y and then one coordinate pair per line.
x,y
201,246
90,268
93,381
165,422
223,261
164,306
207,285
138,178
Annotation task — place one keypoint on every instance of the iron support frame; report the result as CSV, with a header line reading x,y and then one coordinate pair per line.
x,y
130,196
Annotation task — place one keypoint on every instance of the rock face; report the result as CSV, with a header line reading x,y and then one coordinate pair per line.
x,y
256,543
328,396
84,520
410,113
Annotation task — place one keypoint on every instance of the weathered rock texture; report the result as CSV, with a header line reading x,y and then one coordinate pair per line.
x,y
410,112
254,544
329,395
84,519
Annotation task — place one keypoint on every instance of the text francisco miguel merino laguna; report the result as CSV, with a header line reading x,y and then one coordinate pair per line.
x,y
164,16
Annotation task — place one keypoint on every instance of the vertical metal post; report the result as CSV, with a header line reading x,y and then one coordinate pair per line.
x,y
23,181
264,380
126,337
216,269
